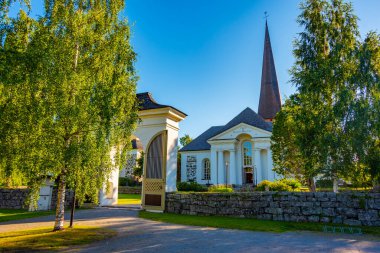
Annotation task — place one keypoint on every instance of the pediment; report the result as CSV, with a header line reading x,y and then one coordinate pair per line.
x,y
240,129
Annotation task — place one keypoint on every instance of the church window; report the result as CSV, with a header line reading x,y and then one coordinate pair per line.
x,y
247,153
206,169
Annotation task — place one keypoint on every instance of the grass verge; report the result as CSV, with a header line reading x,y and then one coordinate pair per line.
x,y
43,239
243,223
129,199
18,214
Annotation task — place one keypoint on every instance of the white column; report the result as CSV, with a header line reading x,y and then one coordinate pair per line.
x,y
232,168
271,173
257,162
213,166
221,168
239,167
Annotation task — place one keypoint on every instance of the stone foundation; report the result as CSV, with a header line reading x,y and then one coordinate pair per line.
x,y
342,208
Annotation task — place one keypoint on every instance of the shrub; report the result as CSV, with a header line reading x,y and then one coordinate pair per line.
x,y
324,183
280,186
263,184
292,182
128,181
286,184
220,188
191,186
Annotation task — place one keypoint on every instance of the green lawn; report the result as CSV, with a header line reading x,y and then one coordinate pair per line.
x,y
17,214
43,239
129,199
243,223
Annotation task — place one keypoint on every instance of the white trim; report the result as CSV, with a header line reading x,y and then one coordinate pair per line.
x,y
238,126
167,112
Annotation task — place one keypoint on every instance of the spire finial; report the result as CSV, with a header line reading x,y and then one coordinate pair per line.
x,y
266,15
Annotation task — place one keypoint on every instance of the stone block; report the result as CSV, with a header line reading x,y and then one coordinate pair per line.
x,y
273,210
313,218
298,218
328,211
278,217
329,204
325,219
291,210
347,212
274,204
304,204
369,215
264,216
337,219
352,222
311,210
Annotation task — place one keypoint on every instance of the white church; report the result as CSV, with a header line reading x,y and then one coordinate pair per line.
x,y
238,153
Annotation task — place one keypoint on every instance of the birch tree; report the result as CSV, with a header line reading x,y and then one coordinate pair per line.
x,y
80,71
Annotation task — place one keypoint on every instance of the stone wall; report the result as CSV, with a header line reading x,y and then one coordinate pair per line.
x,y
13,198
346,208
130,189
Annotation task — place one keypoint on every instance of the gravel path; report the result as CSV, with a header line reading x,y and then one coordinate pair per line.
x,y
139,235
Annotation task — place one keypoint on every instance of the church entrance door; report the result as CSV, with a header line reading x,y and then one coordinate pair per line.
x,y
153,190
248,175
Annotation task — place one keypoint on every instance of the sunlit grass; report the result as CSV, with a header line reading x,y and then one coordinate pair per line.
x,y
243,223
129,199
43,239
18,214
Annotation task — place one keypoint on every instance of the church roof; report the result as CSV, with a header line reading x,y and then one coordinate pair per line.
x,y
270,100
146,102
200,143
247,116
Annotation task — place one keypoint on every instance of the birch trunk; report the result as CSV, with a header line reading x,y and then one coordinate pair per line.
x,y
60,209
335,185
311,184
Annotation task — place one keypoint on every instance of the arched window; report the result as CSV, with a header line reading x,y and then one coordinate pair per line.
x,y
206,169
247,153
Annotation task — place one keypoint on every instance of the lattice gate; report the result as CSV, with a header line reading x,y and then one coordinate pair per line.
x,y
154,173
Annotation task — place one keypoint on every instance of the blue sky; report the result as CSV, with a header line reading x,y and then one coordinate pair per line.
x,y
204,56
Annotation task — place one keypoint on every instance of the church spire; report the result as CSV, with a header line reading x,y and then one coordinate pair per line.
x,y
270,101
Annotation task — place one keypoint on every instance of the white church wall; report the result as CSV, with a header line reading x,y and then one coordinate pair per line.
x,y
200,158
194,160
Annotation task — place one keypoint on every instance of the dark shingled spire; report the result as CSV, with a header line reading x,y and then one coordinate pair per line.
x,y
270,101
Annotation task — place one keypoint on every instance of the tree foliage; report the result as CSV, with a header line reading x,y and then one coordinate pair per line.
x,y
184,140
67,95
330,126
